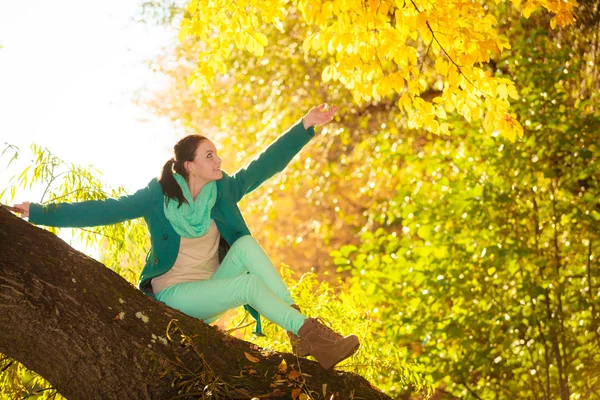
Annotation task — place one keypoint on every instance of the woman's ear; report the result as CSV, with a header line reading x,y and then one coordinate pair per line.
x,y
187,167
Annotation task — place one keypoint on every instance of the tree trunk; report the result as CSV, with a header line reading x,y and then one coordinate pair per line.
x,y
93,335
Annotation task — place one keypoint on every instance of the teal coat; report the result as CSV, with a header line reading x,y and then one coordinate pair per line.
x,y
148,204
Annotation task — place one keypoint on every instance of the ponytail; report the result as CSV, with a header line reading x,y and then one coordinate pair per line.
x,y
169,185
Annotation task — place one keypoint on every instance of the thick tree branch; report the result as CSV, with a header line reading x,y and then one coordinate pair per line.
x,y
91,334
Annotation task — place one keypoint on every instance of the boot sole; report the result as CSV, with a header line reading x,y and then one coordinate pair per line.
x,y
348,355
299,354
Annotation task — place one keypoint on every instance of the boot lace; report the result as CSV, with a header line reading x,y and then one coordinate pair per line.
x,y
322,327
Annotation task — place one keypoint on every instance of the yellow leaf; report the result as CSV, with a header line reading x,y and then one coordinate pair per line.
x,y
282,368
512,92
434,126
331,45
279,25
184,31
510,135
294,374
327,10
440,112
441,66
192,7
502,91
518,128
296,393
528,10
303,396
326,75
444,128
375,92
488,122
422,21
466,112
491,19
254,46
259,50
306,45
250,357
222,67
239,41
261,38
250,43
398,83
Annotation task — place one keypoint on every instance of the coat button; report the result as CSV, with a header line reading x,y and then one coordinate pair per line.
x,y
165,236
155,260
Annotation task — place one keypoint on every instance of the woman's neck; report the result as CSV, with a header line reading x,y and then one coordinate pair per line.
x,y
195,187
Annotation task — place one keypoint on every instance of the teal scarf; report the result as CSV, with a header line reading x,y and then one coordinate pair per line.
x,y
192,219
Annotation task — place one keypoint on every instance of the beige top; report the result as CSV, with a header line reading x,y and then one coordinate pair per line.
x,y
198,259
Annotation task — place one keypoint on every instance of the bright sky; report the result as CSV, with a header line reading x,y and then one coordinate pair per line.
x,y
69,71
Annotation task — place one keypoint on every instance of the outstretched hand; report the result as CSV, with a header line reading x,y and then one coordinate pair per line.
x,y
319,115
21,208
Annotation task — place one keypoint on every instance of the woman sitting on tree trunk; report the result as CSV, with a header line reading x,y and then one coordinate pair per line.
x,y
188,210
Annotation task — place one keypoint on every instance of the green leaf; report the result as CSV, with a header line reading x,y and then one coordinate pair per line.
x,y
348,249
341,261
424,232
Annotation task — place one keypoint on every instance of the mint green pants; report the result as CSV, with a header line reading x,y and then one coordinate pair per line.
x,y
246,276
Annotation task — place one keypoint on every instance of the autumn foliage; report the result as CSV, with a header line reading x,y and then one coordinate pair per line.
x,y
378,49
450,214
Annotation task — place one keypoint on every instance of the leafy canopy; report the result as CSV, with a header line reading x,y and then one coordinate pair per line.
x,y
377,50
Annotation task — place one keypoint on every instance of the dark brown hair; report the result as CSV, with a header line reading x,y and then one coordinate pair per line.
x,y
185,150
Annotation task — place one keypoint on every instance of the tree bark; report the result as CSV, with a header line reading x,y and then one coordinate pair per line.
x,y
92,335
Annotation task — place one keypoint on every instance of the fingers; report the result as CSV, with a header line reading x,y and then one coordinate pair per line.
x,y
21,208
21,212
331,110
321,114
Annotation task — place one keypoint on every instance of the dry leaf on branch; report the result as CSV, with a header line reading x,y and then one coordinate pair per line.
x,y
250,357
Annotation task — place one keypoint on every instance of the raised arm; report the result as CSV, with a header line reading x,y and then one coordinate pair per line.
x,y
88,213
280,152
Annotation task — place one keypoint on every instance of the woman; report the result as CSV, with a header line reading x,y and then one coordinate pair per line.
x,y
188,209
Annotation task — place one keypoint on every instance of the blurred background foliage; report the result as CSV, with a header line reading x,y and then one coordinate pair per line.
x,y
468,260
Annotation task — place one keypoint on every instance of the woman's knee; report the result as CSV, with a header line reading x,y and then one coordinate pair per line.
x,y
243,243
253,281
252,286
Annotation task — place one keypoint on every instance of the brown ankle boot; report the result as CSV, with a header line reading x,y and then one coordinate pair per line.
x,y
327,346
298,346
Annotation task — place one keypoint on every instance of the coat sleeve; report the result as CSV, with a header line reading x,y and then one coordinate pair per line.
x,y
271,160
93,212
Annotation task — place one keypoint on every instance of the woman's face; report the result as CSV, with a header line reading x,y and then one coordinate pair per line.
x,y
206,166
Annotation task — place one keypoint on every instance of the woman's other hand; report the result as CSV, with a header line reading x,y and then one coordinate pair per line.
x,y
319,115
22,208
